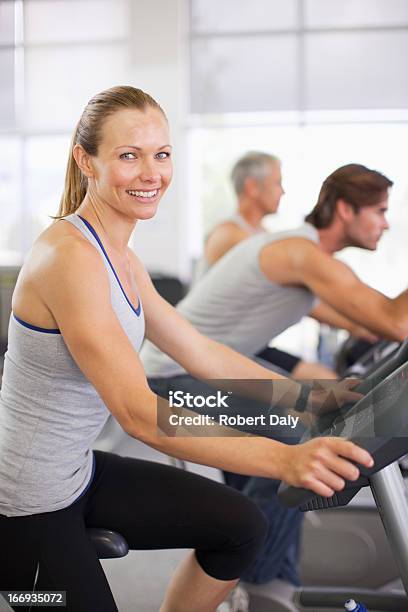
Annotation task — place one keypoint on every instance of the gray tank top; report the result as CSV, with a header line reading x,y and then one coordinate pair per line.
x,y
50,414
203,266
243,224
234,303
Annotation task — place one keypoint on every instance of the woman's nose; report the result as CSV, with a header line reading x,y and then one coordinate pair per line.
x,y
149,171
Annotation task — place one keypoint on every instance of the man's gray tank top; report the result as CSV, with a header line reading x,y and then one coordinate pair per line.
x,y
235,303
50,414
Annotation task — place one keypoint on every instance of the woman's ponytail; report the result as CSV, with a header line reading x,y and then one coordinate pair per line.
x,y
75,186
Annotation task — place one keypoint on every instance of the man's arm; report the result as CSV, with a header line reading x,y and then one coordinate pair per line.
x,y
221,240
326,314
298,261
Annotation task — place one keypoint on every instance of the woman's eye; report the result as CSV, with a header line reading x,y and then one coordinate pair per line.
x,y
163,155
127,155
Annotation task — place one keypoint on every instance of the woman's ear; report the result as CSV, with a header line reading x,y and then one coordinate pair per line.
x,y
83,161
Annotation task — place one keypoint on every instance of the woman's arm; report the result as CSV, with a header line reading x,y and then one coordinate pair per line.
x,y
73,283
206,359
202,357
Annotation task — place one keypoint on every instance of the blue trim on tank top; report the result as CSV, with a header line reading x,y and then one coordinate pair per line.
x,y
35,328
95,235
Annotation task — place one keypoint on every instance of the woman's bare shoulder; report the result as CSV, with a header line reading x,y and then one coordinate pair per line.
x,y
61,251
59,241
59,231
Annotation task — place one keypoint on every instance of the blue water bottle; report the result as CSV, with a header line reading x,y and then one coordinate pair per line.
x,y
354,606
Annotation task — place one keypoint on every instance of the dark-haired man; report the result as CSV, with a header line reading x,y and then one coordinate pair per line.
x,y
266,284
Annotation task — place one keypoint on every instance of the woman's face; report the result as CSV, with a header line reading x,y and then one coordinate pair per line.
x,y
133,168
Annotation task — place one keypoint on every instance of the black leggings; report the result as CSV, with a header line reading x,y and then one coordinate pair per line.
x,y
153,506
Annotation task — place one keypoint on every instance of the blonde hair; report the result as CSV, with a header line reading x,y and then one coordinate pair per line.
x,y
88,133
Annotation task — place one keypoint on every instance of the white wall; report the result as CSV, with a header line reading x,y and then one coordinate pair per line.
x,y
159,67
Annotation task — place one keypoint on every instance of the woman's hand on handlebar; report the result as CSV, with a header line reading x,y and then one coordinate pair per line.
x,y
324,464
